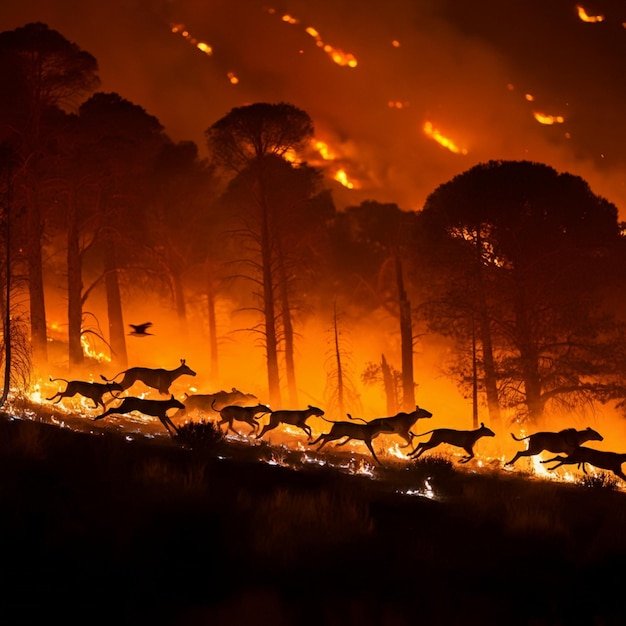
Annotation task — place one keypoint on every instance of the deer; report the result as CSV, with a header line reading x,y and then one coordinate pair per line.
x,y
234,412
402,423
566,440
611,461
363,432
465,439
297,417
211,403
155,408
159,378
92,390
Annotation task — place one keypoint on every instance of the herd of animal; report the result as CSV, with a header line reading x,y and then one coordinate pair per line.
x,y
235,406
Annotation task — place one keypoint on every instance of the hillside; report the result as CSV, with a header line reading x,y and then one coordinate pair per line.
x,y
98,527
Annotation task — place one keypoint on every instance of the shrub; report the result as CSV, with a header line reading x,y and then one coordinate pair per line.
x,y
202,435
599,480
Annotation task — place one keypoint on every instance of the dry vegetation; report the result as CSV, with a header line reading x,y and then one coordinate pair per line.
x,y
99,528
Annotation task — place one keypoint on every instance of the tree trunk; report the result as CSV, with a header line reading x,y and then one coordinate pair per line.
x,y
38,332
6,300
406,339
489,367
390,387
117,338
269,304
179,304
213,354
290,367
74,287
340,389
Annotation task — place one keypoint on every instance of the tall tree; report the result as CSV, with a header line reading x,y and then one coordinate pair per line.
x,y
122,142
528,253
378,237
247,140
41,72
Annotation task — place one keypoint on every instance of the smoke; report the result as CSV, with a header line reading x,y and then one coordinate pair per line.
x,y
466,69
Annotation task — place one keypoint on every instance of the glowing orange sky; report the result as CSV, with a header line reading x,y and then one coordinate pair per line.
x,y
465,68
485,75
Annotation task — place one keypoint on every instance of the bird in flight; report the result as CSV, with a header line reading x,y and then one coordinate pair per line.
x,y
140,330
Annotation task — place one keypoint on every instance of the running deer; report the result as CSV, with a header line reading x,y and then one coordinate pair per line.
x,y
562,441
465,439
611,461
93,391
155,408
296,417
362,432
247,414
401,423
159,378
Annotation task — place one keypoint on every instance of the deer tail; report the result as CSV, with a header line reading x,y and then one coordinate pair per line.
x,y
52,380
519,438
355,418
421,434
110,380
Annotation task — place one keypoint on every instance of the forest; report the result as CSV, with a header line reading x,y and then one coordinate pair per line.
x,y
500,302
507,284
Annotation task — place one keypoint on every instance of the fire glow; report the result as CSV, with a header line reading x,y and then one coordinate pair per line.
x,y
585,17
338,56
441,139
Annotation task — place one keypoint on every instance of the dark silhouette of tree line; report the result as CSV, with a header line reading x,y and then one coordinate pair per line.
x,y
520,266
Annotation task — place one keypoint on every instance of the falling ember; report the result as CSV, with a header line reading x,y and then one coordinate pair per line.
x,y
529,97
201,45
342,178
585,17
548,120
395,104
232,78
433,133
324,150
338,56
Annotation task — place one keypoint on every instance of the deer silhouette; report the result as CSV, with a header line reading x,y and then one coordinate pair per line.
x,y
159,378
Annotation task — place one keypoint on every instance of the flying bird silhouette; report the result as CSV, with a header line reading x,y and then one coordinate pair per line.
x,y
140,330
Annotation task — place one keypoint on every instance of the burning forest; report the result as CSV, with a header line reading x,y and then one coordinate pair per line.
x,y
335,242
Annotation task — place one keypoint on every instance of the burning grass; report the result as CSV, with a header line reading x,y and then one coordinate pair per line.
x,y
165,522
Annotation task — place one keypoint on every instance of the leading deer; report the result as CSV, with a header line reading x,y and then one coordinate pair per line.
x,y
565,440
158,378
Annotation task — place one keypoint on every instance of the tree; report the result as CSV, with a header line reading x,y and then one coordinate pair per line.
x,y
528,254
247,141
113,152
41,72
378,237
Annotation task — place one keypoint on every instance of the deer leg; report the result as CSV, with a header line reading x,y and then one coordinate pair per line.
x,y
110,411
368,443
265,428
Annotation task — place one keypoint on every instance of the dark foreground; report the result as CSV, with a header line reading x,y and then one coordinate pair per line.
x,y
96,529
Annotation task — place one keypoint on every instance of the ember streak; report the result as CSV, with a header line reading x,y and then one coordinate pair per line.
x,y
378,80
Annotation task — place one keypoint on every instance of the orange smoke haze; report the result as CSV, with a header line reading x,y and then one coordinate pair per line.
x,y
465,68
464,71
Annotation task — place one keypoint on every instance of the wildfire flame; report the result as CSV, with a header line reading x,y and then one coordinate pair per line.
x,y
201,45
585,17
338,56
548,120
442,140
